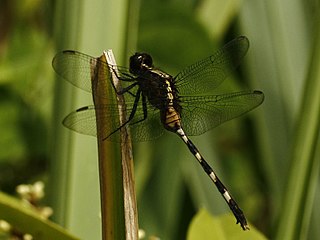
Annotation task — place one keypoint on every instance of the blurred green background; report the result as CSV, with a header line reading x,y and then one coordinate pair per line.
x,y
268,159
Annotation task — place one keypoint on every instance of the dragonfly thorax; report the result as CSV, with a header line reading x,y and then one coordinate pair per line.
x,y
159,88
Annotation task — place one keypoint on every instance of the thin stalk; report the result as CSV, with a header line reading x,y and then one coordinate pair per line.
x,y
118,201
130,205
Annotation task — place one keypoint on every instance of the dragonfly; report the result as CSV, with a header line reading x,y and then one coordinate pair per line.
x,y
156,101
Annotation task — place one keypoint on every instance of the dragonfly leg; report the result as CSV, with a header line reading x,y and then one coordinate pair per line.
x,y
126,89
128,79
145,111
132,113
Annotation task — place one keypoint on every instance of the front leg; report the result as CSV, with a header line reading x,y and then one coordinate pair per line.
x,y
128,78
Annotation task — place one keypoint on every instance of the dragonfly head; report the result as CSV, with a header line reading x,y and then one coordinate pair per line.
x,y
140,62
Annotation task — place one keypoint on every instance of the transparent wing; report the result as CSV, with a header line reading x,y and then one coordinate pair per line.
x,y
202,113
83,121
78,69
209,73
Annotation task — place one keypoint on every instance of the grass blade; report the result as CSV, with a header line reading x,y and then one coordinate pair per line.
x,y
305,163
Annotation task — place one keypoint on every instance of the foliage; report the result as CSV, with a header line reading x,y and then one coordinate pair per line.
x,y
206,226
256,156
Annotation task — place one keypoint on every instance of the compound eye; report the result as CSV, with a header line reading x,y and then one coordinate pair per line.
x,y
139,62
147,60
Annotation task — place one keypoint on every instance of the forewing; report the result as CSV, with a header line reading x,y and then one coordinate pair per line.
x,y
202,113
78,69
207,74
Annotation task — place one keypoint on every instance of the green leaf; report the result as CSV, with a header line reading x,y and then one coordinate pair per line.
x,y
25,219
89,27
206,226
304,170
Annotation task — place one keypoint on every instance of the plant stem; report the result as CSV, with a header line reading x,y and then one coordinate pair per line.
x,y
118,200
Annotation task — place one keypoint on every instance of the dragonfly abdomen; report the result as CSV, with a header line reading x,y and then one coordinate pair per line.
x,y
213,176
